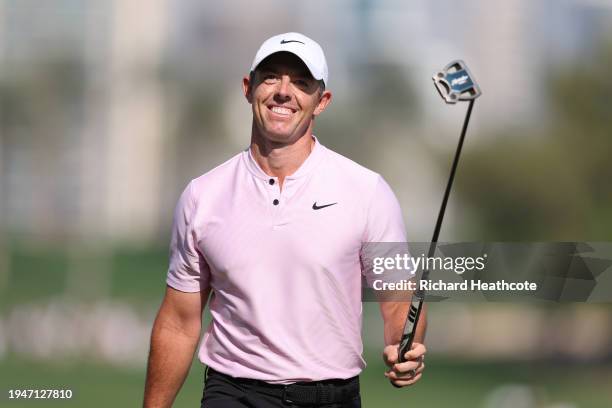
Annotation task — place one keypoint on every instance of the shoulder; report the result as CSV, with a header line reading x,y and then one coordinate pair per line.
x,y
215,178
357,180
349,171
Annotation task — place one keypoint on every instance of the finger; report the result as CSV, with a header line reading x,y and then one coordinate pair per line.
x,y
403,383
390,355
405,367
416,351
412,373
421,361
393,375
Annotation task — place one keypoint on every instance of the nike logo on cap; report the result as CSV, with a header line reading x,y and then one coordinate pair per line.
x,y
318,207
290,41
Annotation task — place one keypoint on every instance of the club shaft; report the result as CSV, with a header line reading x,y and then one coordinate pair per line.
x,y
416,304
451,178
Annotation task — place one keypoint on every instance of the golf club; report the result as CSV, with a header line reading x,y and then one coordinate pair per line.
x,y
454,83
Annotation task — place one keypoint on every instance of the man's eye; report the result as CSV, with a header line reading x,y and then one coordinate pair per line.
x,y
301,83
270,78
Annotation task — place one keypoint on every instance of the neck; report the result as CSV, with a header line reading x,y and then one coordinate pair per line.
x,y
280,159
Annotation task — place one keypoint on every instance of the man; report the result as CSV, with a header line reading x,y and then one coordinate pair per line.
x,y
276,233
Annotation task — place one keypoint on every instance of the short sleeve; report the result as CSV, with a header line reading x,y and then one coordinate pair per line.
x,y
385,222
188,271
384,234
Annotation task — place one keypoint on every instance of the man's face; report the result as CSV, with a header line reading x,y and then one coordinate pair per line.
x,y
285,98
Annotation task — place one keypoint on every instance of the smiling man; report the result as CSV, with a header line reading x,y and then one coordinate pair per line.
x,y
276,235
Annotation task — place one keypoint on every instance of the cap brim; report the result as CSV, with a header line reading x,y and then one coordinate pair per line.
x,y
308,64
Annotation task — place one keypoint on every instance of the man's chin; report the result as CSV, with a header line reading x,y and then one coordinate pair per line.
x,y
281,137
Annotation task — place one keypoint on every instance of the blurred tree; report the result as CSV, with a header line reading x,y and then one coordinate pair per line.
x,y
41,115
552,184
197,139
383,102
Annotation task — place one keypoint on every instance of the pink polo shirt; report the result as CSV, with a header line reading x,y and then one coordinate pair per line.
x,y
284,266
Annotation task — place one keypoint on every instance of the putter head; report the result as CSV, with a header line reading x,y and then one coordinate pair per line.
x,y
456,83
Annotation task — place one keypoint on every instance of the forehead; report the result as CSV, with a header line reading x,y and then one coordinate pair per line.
x,y
284,62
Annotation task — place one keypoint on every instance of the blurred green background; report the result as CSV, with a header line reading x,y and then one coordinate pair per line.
x,y
109,108
569,370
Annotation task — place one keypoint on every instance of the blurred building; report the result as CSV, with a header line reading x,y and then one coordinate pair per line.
x,y
82,148
87,142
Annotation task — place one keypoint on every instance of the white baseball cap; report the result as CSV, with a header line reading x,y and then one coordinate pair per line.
x,y
303,47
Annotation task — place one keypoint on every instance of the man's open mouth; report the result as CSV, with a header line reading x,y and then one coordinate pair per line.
x,y
281,110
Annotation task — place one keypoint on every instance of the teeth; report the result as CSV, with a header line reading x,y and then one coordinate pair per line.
x,y
281,110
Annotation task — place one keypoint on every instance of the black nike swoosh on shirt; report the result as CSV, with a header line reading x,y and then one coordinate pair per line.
x,y
290,41
318,207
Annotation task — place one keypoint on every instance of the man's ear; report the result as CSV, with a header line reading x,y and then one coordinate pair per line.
x,y
247,88
324,101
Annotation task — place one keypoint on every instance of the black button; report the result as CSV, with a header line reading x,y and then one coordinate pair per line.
x,y
275,202
271,181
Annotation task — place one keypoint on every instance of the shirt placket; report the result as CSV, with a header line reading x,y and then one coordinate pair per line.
x,y
279,200
274,198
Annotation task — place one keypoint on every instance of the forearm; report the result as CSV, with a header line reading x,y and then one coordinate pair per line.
x,y
394,316
170,357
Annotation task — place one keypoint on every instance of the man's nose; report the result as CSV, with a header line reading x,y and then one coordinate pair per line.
x,y
284,87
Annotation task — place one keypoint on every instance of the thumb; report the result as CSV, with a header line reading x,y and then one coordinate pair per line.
x,y
390,354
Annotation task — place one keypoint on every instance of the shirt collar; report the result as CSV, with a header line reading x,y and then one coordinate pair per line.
x,y
305,168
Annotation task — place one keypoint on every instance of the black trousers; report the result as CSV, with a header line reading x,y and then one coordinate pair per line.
x,y
223,391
